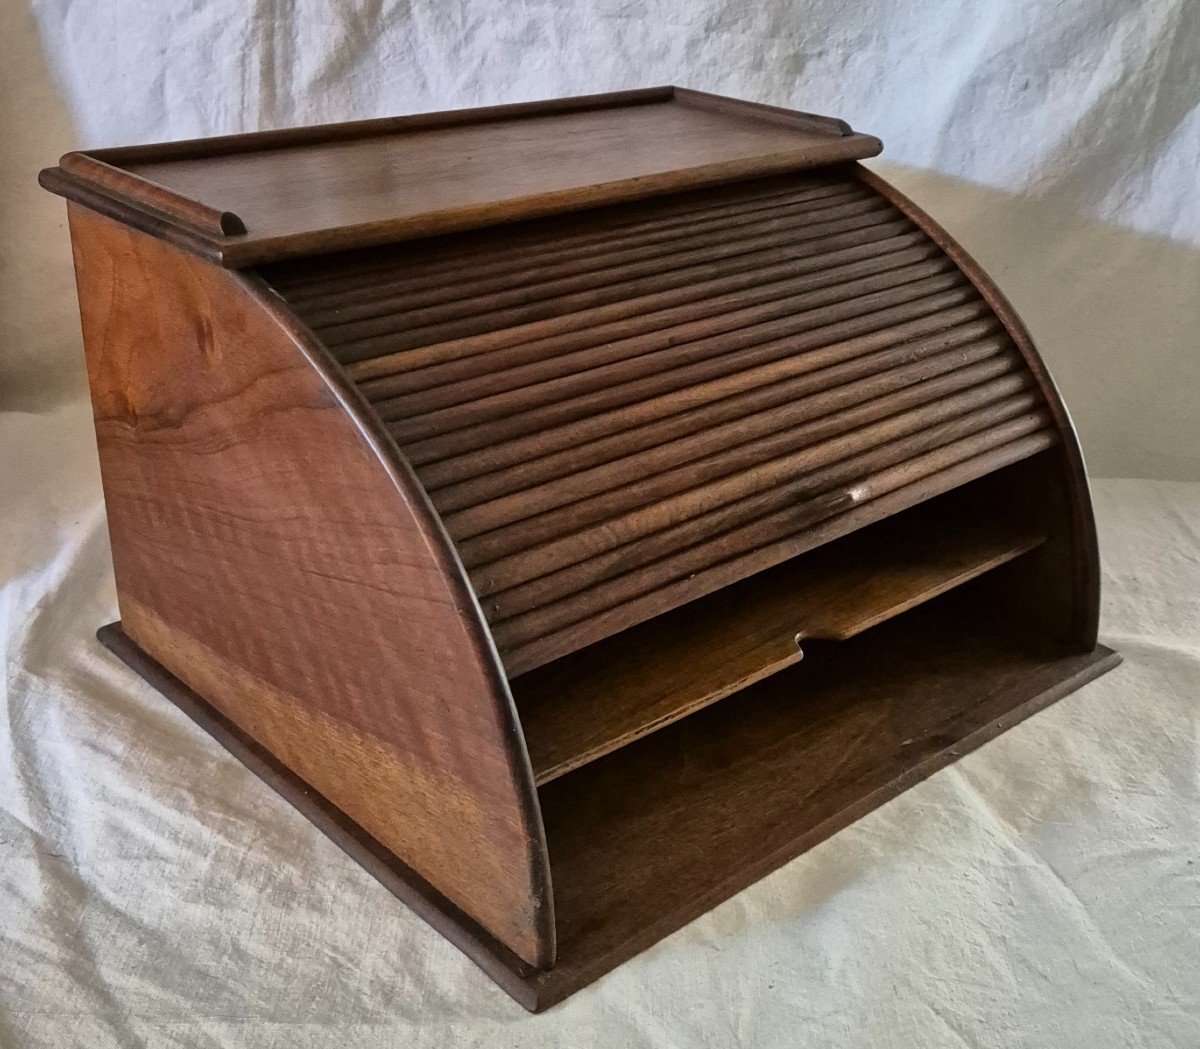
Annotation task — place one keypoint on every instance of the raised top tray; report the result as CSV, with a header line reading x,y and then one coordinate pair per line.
x,y
243,200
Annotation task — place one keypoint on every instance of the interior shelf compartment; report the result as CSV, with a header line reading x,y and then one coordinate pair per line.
x,y
594,701
657,833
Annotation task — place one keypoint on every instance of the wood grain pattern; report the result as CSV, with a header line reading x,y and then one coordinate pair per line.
x,y
589,704
513,974
331,191
259,535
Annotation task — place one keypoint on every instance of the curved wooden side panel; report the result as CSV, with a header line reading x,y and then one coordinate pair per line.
x,y
1085,556
273,554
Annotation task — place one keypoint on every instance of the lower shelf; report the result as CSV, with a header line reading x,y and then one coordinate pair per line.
x,y
656,834
650,837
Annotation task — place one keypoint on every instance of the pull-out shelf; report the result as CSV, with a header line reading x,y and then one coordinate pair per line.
x,y
476,479
585,705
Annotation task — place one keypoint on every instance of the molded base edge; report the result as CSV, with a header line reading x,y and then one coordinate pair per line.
x,y
510,972
533,989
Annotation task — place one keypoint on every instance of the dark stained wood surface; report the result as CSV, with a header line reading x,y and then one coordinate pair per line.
x,y
622,411
1079,540
273,554
652,836
588,704
325,192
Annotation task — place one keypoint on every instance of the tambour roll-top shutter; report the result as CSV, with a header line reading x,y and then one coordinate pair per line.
x,y
619,412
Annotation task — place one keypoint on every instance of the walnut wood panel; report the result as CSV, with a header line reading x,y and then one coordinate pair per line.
x,y
610,410
586,705
273,553
493,957
350,186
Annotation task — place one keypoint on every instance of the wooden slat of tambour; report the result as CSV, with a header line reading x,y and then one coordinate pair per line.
x,y
396,306
612,343
593,570
536,340
447,255
438,362
928,476
749,548
501,469
538,350
668,359
507,556
871,396
632,262
400,297
720,235
781,402
346,316
490,255
645,679
779,342
594,587
552,328
688,351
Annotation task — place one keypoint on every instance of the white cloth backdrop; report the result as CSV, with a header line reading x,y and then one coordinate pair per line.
x,y
1060,140
1044,891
